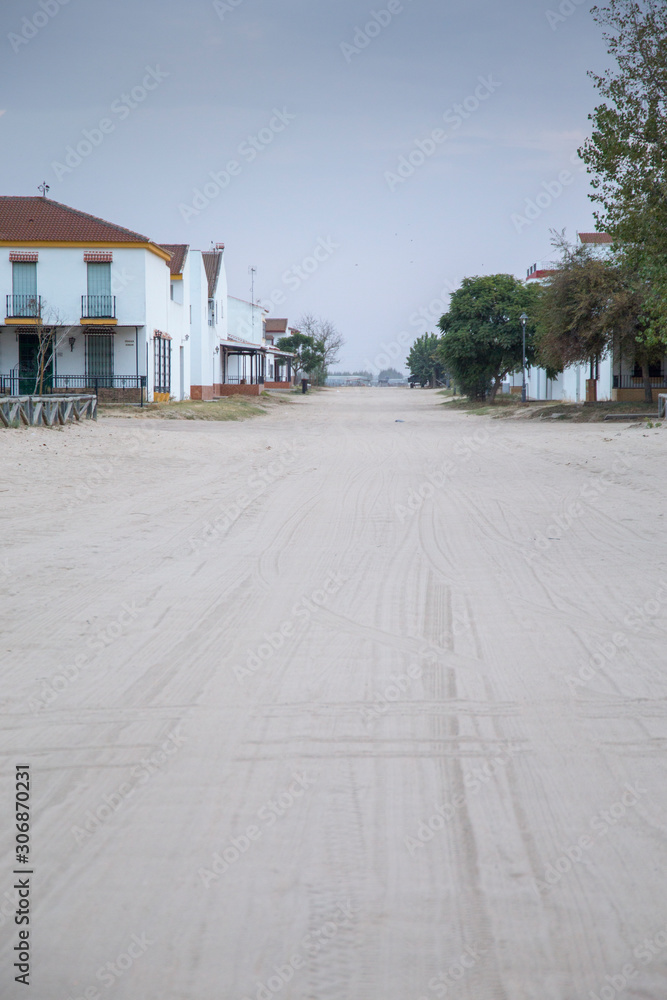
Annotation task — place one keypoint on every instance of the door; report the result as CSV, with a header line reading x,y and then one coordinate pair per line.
x,y
29,362
181,368
99,360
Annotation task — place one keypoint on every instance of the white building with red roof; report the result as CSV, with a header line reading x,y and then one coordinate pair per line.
x,y
96,292
90,305
577,383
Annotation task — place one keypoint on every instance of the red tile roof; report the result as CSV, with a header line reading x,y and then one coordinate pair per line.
x,y
24,219
212,261
276,326
595,237
178,253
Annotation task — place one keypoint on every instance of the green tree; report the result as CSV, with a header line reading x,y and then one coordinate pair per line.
x,y
389,373
423,361
304,349
483,333
590,305
627,151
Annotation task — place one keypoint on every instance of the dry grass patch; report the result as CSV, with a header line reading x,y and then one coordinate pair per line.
x,y
229,408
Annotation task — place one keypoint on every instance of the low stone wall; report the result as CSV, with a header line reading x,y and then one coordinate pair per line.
x,y
203,392
278,385
120,396
635,395
239,390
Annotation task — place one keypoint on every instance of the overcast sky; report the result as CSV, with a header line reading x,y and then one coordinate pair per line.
x,y
315,106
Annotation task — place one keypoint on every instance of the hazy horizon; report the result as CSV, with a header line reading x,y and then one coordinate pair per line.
x,y
318,126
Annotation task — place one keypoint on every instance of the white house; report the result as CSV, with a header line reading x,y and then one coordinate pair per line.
x,y
93,306
577,383
97,293
250,361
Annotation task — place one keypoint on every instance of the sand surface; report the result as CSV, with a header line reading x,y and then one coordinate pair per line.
x,y
324,706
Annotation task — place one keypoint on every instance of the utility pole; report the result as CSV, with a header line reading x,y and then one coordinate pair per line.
x,y
252,271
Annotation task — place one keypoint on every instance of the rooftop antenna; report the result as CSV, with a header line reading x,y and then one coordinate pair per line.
x,y
44,187
252,271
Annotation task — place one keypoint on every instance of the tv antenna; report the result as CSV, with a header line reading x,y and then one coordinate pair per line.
x,y
44,187
252,271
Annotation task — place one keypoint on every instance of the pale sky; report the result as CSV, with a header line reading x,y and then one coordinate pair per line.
x,y
315,106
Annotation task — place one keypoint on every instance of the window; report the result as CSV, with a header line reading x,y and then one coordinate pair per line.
x,y
100,302
24,290
99,359
162,357
171,291
654,370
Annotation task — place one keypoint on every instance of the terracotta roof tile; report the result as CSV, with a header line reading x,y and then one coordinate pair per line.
x,y
178,253
595,238
23,219
212,261
276,325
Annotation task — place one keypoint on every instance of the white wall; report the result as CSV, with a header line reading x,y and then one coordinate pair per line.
x,y
240,320
140,282
202,336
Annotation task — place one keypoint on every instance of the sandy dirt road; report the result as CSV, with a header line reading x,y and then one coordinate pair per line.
x,y
324,706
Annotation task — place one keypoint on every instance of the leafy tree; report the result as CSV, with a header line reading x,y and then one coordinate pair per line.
x,y
589,305
483,333
303,347
627,151
423,362
389,373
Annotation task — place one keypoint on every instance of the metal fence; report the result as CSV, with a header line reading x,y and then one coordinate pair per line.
x,y
637,382
24,306
98,306
11,383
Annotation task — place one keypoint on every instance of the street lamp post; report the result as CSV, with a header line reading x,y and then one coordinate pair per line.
x,y
524,394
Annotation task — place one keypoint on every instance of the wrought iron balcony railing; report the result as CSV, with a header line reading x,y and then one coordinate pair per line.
x,y
24,306
98,306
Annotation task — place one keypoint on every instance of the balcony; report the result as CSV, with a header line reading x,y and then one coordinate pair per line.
x,y
98,308
24,307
